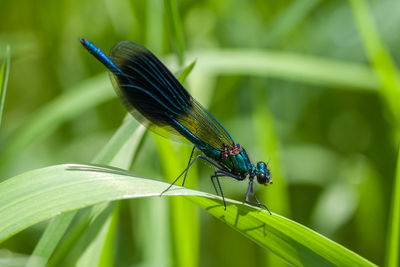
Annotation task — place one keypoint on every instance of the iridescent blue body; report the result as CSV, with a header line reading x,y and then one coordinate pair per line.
x,y
156,99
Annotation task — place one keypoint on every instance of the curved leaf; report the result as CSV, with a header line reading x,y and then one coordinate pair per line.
x,y
43,193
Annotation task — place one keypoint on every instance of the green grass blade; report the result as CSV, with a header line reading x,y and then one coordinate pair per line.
x,y
288,66
40,194
125,141
390,92
154,29
286,21
291,241
183,75
13,259
379,57
4,72
130,131
177,29
84,96
107,250
74,234
184,235
269,145
157,223
102,235
393,235
91,247
184,218
50,238
60,111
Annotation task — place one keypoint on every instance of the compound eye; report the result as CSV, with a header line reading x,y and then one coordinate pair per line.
x,y
261,178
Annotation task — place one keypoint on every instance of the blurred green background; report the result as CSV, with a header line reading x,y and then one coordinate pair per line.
x,y
290,80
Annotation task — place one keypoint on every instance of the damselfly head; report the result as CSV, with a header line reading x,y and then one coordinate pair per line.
x,y
263,174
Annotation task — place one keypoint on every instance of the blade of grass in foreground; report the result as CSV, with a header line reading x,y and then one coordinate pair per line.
x,y
43,193
99,245
4,71
127,136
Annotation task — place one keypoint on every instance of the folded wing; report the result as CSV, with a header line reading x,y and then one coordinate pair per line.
x,y
152,94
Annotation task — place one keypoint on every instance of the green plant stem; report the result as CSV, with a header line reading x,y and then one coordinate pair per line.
x,y
177,29
392,255
4,72
390,92
379,57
